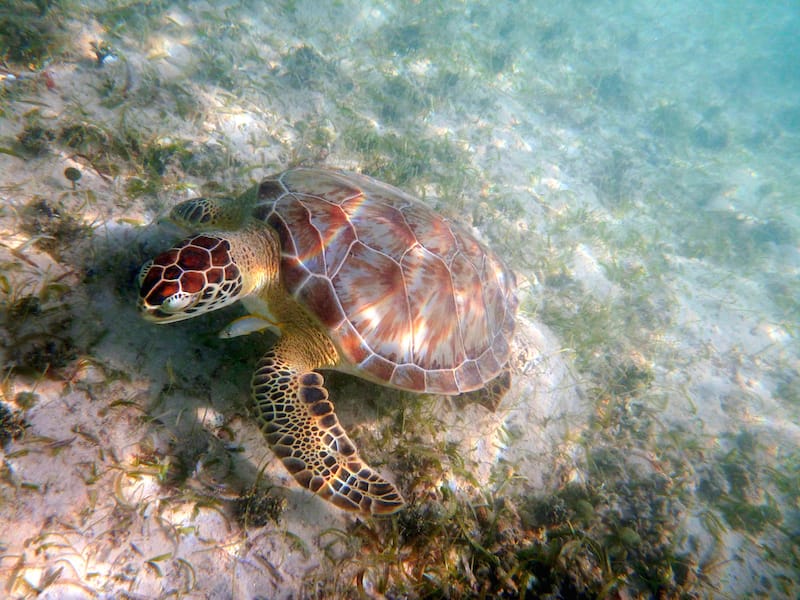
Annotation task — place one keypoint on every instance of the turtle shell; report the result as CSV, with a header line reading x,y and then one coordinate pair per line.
x,y
409,298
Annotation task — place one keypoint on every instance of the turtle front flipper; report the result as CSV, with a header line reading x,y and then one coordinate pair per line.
x,y
207,214
297,418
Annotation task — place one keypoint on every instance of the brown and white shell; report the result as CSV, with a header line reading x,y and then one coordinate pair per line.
x,y
409,298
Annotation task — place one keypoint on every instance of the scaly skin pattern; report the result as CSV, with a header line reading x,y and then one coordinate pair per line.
x,y
356,276
293,410
206,272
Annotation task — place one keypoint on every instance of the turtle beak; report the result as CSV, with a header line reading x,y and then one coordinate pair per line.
x,y
177,307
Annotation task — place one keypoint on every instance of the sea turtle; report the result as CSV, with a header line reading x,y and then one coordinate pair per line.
x,y
353,275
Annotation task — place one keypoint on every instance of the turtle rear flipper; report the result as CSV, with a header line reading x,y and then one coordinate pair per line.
x,y
488,396
297,418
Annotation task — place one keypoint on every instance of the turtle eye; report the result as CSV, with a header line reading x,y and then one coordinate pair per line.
x,y
178,302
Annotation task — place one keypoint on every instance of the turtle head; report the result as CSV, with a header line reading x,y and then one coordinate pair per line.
x,y
205,272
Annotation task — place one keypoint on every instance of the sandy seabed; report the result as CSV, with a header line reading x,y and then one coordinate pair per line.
x,y
649,446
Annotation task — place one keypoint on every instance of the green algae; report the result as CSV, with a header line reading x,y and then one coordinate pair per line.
x,y
32,33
